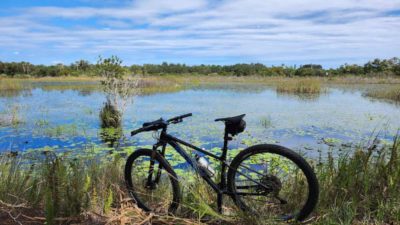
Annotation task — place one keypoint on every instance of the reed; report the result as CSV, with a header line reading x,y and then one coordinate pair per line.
x,y
303,86
389,93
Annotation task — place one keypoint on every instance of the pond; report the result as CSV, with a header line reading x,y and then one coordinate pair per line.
x,y
65,118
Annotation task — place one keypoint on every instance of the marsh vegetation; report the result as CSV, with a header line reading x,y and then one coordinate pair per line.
x,y
63,150
390,93
303,86
358,187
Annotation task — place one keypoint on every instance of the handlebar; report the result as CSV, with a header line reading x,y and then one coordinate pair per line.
x,y
178,119
159,124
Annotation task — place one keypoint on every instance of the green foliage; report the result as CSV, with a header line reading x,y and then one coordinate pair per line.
x,y
61,186
310,70
362,186
49,210
110,116
108,202
112,67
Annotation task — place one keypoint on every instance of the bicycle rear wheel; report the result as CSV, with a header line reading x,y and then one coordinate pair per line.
x,y
152,182
273,182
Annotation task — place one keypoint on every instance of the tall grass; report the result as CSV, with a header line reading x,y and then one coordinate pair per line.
x,y
11,116
303,86
358,187
389,93
361,187
10,84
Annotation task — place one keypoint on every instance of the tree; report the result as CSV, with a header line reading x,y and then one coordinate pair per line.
x,y
118,88
310,70
351,69
26,67
81,65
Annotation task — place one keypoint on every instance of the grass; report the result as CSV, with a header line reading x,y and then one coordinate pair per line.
x,y
389,93
359,187
304,86
10,84
11,116
189,79
266,122
12,87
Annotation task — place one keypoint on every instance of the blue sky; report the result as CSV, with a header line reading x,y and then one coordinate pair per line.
x,y
273,32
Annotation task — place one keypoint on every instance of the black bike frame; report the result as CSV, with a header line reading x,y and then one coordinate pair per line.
x,y
221,187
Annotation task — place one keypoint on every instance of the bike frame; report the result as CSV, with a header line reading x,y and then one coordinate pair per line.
x,y
221,187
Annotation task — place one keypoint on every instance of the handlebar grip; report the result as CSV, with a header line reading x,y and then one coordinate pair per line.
x,y
186,115
178,118
133,133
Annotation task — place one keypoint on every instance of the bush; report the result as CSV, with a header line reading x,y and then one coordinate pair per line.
x,y
110,116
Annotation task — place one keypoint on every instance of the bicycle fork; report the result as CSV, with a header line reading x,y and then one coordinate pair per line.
x,y
149,182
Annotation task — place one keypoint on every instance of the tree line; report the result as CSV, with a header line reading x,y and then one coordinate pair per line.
x,y
84,67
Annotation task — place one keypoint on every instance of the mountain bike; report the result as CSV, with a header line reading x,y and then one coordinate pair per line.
x,y
264,179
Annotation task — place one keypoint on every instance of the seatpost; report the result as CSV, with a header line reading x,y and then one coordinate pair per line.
x,y
222,184
226,139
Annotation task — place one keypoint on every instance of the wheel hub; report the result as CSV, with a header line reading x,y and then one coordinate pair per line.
x,y
272,184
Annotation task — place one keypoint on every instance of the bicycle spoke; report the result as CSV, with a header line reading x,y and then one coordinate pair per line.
x,y
265,183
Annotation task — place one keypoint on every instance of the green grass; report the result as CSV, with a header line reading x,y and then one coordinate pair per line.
x,y
361,187
389,93
358,187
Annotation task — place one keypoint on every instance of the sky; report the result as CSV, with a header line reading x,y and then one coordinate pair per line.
x,y
272,32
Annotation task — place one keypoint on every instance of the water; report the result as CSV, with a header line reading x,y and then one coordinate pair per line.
x,y
67,118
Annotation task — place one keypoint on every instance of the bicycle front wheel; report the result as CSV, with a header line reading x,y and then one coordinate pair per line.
x,y
273,182
152,182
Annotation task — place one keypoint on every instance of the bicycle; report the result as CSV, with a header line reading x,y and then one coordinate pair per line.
x,y
253,176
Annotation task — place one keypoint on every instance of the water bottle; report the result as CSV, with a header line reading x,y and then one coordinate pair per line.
x,y
205,166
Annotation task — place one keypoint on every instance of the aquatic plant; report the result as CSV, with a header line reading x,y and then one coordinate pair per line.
x,y
266,122
11,116
300,86
388,93
13,87
110,116
10,85
110,135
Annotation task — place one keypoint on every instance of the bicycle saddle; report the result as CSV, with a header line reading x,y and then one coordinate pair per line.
x,y
233,119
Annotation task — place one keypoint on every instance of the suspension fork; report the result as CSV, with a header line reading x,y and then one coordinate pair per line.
x,y
149,183
163,143
159,165
152,162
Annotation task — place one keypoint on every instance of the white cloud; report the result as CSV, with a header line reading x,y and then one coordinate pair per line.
x,y
263,30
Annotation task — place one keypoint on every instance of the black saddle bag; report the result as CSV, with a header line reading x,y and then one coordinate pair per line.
x,y
235,128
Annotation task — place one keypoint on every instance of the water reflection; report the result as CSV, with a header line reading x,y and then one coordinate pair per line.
x,y
300,96
297,121
111,136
